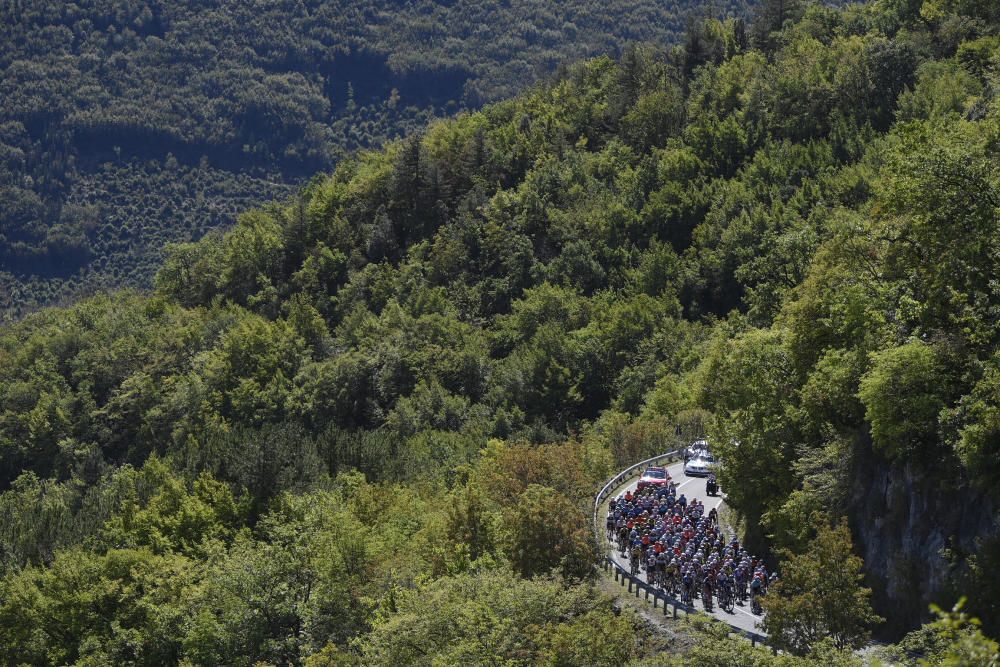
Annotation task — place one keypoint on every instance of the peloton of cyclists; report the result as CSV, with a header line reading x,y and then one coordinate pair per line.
x,y
679,546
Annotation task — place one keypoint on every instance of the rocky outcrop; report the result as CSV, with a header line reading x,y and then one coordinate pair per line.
x,y
914,530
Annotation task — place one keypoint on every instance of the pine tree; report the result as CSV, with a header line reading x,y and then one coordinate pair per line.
x,y
770,18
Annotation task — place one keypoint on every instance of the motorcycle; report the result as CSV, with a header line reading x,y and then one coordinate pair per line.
x,y
711,486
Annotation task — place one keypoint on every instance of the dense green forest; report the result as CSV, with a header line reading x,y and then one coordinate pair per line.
x,y
126,125
364,425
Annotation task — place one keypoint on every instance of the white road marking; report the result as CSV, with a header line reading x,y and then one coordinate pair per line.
x,y
753,616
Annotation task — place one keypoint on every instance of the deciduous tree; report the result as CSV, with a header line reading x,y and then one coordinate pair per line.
x,y
820,595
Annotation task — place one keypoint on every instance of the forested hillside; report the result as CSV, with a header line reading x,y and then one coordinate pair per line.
x,y
127,125
364,425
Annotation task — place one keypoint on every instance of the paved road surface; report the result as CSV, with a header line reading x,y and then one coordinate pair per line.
x,y
694,487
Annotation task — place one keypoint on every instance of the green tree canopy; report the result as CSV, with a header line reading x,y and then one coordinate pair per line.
x,y
820,596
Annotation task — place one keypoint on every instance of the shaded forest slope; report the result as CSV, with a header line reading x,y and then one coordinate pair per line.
x,y
784,238
127,125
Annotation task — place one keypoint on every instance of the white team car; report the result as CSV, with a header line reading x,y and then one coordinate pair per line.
x,y
695,449
699,466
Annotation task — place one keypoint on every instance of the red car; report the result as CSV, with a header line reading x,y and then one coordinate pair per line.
x,y
654,476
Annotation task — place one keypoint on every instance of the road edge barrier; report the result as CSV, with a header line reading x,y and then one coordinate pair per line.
x,y
627,579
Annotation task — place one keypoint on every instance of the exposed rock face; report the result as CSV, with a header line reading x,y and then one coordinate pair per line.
x,y
913,529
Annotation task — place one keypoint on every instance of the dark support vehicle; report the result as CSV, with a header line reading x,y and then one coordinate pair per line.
x,y
711,485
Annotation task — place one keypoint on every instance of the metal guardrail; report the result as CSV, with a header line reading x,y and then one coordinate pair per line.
x,y
620,479
626,577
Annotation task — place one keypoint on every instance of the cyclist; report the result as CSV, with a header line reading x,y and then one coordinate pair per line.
x,y
697,509
756,591
762,572
706,590
670,574
687,581
740,583
723,587
661,568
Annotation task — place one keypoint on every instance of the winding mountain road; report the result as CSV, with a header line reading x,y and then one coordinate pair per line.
x,y
694,488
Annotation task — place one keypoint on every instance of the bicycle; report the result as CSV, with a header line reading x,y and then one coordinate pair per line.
x,y
706,598
726,599
755,607
686,593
